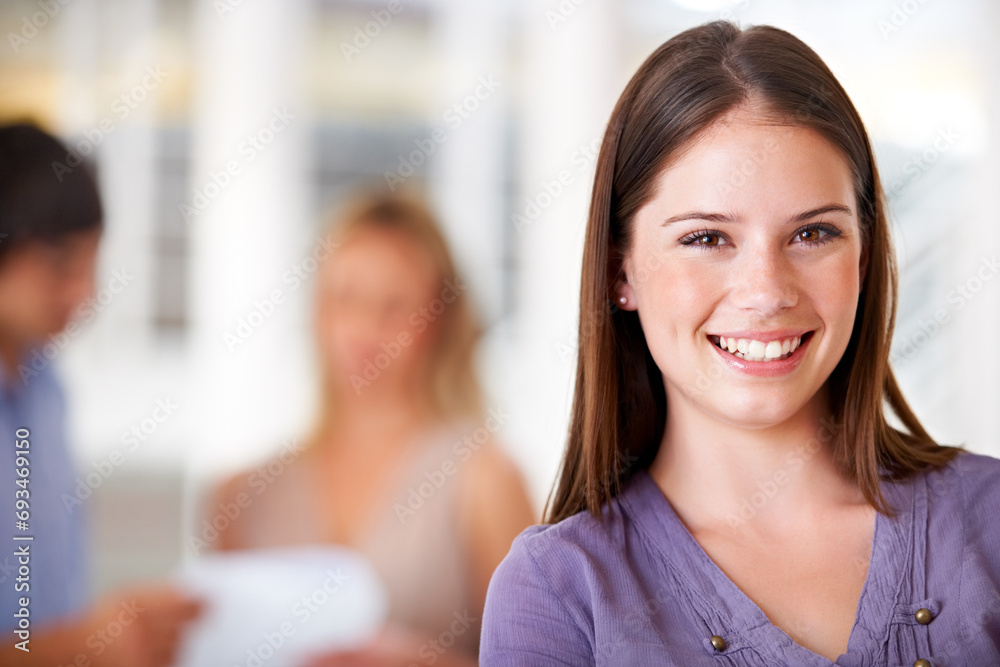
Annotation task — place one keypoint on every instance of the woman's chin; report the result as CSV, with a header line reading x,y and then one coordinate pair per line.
x,y
755,411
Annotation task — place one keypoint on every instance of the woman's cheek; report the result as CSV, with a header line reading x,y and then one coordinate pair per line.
x,y
670,312
836,288
686,294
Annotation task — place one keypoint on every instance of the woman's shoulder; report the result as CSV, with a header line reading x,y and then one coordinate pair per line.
x,y
257,477
970,474
568,554
539,604
233,497
241,486
967,489
560,572
983,465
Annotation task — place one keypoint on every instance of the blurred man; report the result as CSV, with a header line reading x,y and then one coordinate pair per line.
x,y
50,226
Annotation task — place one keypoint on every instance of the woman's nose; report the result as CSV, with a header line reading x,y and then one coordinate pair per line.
x,y
763,281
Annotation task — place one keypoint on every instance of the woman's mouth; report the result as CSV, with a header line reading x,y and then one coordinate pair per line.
x,y
750,349
771,358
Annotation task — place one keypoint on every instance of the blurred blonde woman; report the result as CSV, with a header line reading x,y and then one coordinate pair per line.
x,y
402,464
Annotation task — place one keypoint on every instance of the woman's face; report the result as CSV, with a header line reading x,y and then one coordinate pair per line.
x,y
752,243
373,316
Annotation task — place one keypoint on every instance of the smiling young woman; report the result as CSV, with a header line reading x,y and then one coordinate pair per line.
x,y
733,491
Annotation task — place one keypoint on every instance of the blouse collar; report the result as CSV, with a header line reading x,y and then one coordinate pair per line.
x,y
723,609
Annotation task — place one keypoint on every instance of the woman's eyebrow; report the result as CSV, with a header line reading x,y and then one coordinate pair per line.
x,y
724,217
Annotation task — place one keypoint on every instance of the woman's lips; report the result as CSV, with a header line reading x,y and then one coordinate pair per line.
x,y
761,362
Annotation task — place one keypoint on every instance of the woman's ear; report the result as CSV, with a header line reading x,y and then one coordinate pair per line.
x,y
624,295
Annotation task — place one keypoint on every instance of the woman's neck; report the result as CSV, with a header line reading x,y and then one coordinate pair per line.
x,y
719,475
387,418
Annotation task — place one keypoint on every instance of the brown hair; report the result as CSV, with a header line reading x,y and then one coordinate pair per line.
x,y
619,407
452,383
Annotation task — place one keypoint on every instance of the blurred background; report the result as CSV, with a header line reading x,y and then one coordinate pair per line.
x,y
224,131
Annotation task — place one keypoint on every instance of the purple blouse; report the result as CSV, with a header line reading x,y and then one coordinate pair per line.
x,y
637,589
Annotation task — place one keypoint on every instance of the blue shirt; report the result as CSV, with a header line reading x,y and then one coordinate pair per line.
x,y
637,589
32,398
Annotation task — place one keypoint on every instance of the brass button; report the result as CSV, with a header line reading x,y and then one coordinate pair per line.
x,y
922,663
720,644
923,616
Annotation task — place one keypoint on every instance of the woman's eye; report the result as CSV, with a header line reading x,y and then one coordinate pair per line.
x,y
705,239
815,234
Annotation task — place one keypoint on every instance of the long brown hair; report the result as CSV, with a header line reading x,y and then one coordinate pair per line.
x,y
619,407
454,389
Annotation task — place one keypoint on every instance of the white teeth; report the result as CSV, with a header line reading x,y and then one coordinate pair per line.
x,y
756,350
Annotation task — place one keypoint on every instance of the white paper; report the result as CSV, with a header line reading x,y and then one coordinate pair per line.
x,y
274,607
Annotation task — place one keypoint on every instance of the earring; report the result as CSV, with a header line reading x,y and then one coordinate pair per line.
x,y
623,299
